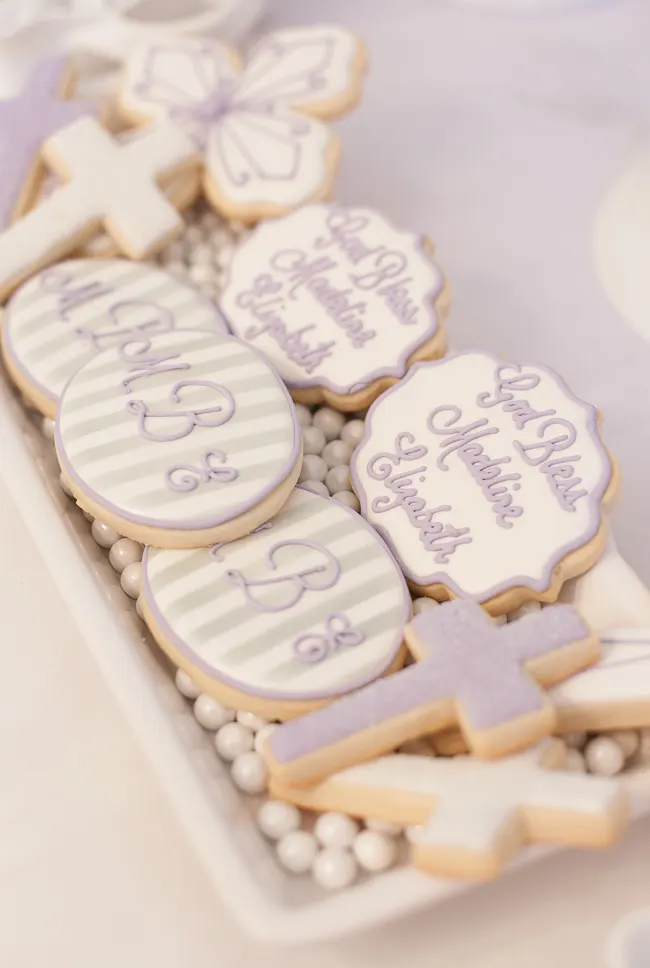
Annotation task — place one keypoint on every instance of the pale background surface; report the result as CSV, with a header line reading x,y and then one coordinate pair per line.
x,y
498,136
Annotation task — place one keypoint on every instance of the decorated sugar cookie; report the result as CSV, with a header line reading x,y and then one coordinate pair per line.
x,y
265,150
76,309
26,120
471,674
615,692
180,439
476,816
309,606
339,300
110,186
488,479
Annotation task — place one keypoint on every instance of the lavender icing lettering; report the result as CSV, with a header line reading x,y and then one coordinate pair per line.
x,y
339,633
506,387
187,477
441,539
565,487
215,550
314,578
214,416
70,293
121,319
495,486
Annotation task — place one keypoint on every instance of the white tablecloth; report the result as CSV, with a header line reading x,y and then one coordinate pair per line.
x,y
498,136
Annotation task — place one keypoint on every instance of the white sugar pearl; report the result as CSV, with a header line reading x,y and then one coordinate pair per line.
x,y
249,773
526,609
604,756
173,252
627,739
575,762
201,255
202,275
64,486
313,440
316,486
352,432
335,830
251,720
337,452
329,421
178,269
348,498
374,851
131,579
232,740
104,535
337,478
276,819
212,714
303,414
186,686
192,236
313,468
424,604
209,219
124,552
47,428
575,741
386,827
262,735
297,850
334,868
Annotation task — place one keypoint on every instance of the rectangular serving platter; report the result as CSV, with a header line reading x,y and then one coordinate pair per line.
x,y
219,821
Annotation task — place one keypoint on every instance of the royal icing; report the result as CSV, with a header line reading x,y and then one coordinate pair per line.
x,y
184,430
472,806
309,606
108,183
481,474
26,121
472,673
262,149
335,297
73,310
619,681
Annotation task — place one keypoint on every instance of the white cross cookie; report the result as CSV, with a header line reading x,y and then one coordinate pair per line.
x,y
475,815
109,185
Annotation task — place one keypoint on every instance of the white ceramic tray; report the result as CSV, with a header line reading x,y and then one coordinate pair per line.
x,y
218,820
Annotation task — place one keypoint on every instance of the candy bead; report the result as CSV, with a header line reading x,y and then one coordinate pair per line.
x,y
317,487
423,604
201,274
211,713
192,236
604,756
303,414
297,851
337,452
64,486
575,740
173,252
329,421
335,830
353,431
262,735
186,686
313,440
124,552
232,740
337,478
386,827
628,741
47,428
201,255
276,819
104,535
334,868
249,773
575,762
251,720
374,851
178,269
313,468
348,498
131,579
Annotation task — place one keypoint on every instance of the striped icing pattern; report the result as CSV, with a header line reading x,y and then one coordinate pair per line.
x,y
50,321
209,618
101,448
